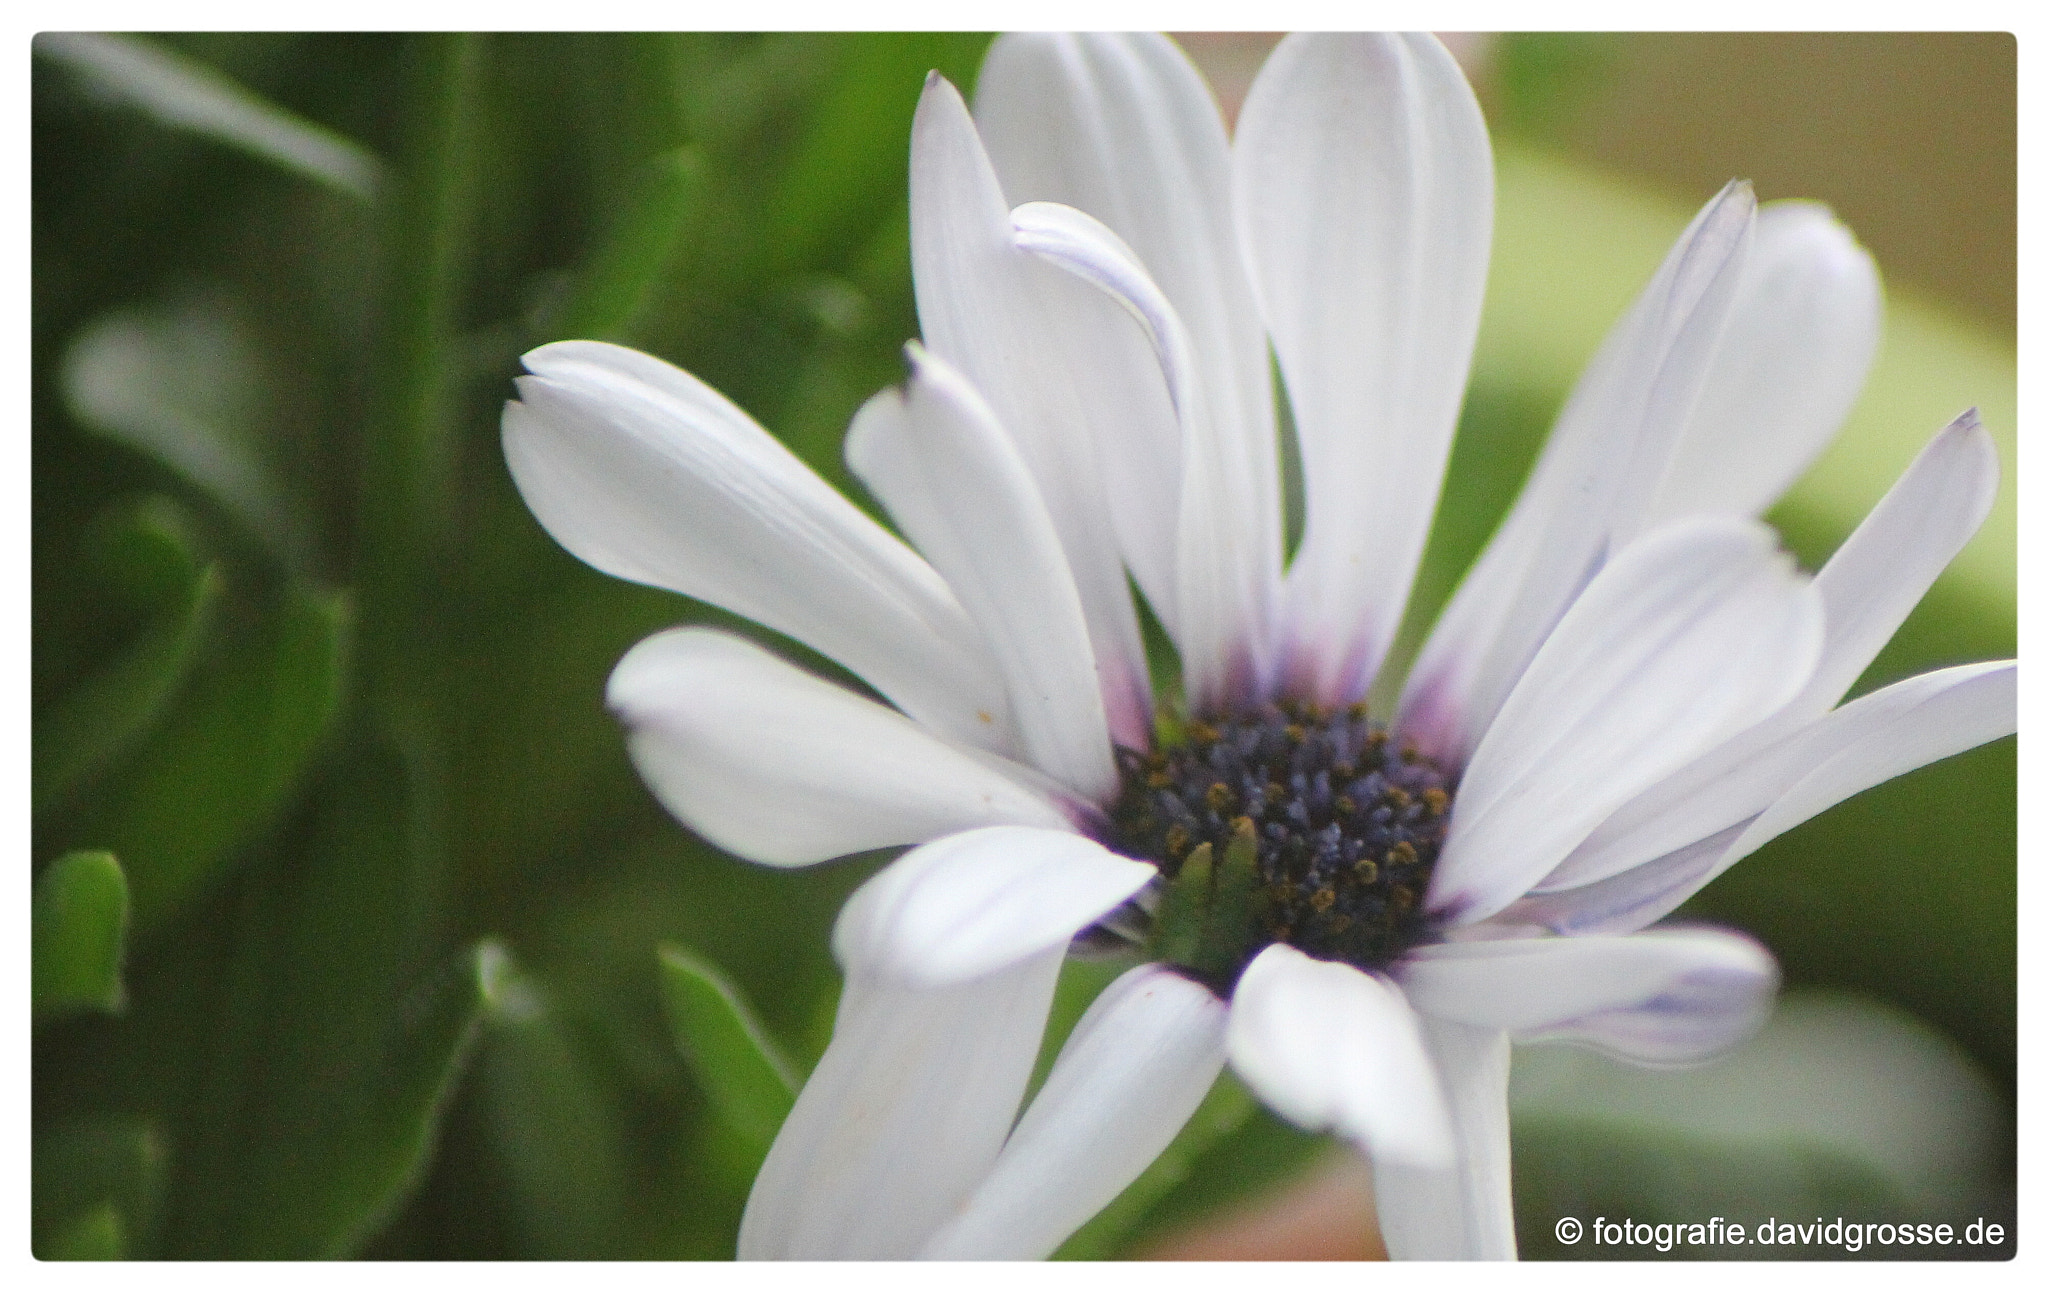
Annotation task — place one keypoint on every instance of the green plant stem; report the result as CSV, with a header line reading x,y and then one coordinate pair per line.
x,y
410,446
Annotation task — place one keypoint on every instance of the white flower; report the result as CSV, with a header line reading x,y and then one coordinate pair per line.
x,y
1631,690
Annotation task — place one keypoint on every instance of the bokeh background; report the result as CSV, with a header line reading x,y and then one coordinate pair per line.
x,y
354,933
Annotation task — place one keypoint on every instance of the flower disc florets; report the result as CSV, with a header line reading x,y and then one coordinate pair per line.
x,y
1292,824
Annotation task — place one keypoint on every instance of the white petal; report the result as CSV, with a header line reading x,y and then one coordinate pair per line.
x,y
1624,903
901,1118
972,903
1127,1080
1122,127
1363,189
648,474
1465,1212
1664,997
1590,490
937,459
782,767
1863,744
1222,597
1800,338
1687,637
1729,789
1331,1047
1968,706
1867,589
1881,571
1063,368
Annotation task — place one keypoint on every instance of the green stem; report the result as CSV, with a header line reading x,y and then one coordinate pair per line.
x,y
410,450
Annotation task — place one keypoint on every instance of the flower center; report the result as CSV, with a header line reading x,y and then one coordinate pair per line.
x,y
1293,824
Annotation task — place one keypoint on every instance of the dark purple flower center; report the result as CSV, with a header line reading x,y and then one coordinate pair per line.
x,y
1292,824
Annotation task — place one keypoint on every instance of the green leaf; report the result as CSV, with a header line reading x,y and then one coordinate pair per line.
x,y
833,191
98,1185
748,1081
556,1131
627,265
104,715
335,1038
186,95
80,929
95,1235
1544,82
343,1133
148,551
227,757
184,385
410,447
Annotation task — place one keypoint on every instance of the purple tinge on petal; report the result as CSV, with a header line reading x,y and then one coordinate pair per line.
x,y
1686,637
1362,185
1589,492
1665,996
1625,903
1697,1016
1225,579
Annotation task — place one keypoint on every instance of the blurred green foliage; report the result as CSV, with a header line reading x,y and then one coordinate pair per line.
x,y
79,930
406,963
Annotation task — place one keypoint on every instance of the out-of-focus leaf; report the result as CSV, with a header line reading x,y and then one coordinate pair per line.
x,y
227,756
1839,1107
409,446
1908,891
738,1066
79,932
1544,81
628,263
103,715
187,95
95,1235
97,1184
589,947
183,385
556,1130
832,191
148,551
526,802
338,1036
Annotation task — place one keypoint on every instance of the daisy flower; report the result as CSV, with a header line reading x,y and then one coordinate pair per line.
x,y
1631,689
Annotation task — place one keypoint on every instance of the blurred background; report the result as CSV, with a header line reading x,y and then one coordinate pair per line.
x,y
355,934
